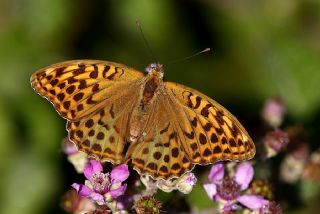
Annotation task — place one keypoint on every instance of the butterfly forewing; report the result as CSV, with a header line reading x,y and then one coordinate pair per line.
x,y
78,88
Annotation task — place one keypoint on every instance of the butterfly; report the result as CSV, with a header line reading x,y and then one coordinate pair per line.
x,y
118,114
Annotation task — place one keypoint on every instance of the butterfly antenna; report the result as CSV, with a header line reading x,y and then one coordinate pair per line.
x,y
145,41
189,57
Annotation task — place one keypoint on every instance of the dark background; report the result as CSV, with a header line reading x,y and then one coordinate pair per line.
x,y
259,49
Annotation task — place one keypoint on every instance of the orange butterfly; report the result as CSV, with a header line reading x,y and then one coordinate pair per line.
x,y
115,113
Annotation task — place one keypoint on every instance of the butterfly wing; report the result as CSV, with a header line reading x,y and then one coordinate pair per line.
x,y
102,134
185,128
211,132
159,152
79,87
96,97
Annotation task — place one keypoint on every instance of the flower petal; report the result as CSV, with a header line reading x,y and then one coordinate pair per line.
x,y
216,173
91,168
244,175
97,197
210,189
119,173
186,183
83,190
253,202
69,148
119,191
189,179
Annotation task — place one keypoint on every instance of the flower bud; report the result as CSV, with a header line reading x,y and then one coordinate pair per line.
x,y
148,204
273,112
187,183
76,158
274,142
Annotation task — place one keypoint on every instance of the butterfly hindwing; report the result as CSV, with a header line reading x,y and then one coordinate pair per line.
x,y
160,153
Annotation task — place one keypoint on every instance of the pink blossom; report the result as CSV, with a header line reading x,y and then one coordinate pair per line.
x,y
102,187
228,190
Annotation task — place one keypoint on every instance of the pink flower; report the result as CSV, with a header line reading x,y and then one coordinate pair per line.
x,y
227,190
102,187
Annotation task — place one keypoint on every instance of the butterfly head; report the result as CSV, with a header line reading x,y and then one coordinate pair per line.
x,y
155,69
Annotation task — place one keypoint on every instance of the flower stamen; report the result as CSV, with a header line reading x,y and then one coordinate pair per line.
x,y
100,182
228,189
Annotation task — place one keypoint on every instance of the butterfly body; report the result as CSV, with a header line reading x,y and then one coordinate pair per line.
x,y
115,113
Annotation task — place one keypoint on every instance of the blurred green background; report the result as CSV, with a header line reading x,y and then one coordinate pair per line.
x,y
259,49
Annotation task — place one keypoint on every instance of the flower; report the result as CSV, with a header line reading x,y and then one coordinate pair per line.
x,y
274,142
226,190
102,187
76,158
273,111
